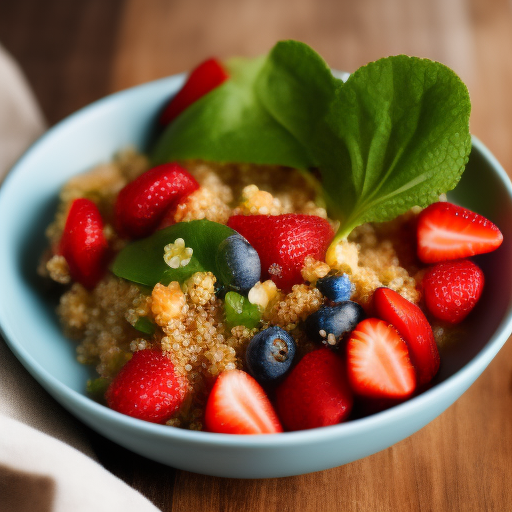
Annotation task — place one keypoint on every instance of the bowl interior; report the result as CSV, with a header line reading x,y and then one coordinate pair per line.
x,y
29,196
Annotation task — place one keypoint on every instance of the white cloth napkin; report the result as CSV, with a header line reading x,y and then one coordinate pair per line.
x,y
41,467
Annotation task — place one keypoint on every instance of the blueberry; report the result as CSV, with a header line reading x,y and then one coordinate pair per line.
x,y
335,288
238,264
269,355
337,320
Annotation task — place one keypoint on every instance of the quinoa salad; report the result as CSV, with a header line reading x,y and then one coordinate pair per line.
x,y
230,297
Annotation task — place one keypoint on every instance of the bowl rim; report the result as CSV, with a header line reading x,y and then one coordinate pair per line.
x,y
55,387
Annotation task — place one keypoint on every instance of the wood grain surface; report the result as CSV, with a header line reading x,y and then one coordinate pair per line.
x,y
75,52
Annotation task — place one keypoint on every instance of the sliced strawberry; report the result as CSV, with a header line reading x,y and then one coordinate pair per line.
x,y
83,243
449,232
378,361
203,79
147,387
142,204
316,392
452,289
283,242
413,327
238,405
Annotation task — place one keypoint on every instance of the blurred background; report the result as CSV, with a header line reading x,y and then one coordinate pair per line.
x,y
74,52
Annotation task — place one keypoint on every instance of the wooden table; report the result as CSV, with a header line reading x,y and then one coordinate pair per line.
x,y
75,52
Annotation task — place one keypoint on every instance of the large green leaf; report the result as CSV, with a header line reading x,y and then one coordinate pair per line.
x,y
395,135
297,88
403,140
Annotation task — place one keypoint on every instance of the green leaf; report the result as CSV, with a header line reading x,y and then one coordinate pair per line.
x,y
96,388
402,127
143,261
297,88
230,125
395,135
239,311
145,325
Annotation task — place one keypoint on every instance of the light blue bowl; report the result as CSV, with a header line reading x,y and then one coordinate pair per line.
x,y
28,322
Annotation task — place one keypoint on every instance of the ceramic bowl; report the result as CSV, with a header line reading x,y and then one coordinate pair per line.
x,y
28,322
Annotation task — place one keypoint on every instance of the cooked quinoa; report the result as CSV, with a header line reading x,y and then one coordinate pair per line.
x,y
189,318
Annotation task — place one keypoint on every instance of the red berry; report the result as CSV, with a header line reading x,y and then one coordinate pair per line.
x,y
316,392
452,289
147,387
283,242
83,243
206,77
378,362
142,204
449,232
237,404
413,327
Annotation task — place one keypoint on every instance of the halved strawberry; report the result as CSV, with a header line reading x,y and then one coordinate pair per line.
x,y
237,404
147,387
316,392
83,243
449,232
203,79
283,242
378,362
141,204
413,327
452,289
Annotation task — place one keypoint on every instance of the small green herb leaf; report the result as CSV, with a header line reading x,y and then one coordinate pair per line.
x,y
230,125
239,311
96,388
143,261
145,326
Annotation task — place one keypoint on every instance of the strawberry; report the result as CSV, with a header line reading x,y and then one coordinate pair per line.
x,y
413,327
283,242
316,392
204,78
83,243
147,387
237,404
378,361
452,289
449,232
142,203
